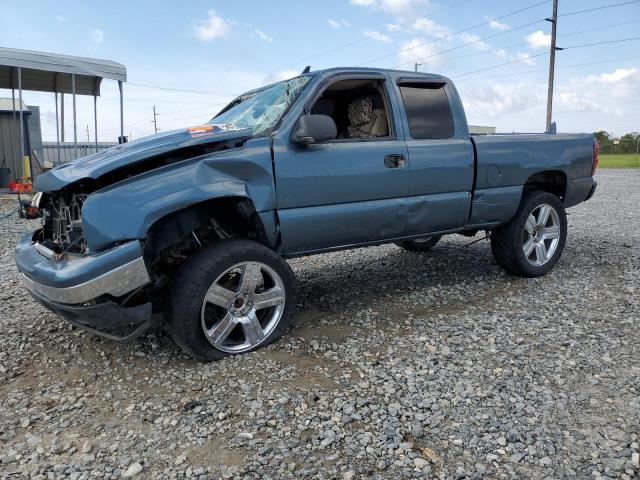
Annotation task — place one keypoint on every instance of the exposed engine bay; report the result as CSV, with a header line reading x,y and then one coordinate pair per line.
x,y
62,229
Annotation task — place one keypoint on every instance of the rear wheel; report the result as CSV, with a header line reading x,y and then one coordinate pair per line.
x,y
531,244
232,297
419,244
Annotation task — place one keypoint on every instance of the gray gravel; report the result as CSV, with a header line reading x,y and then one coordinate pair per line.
x,y
399,365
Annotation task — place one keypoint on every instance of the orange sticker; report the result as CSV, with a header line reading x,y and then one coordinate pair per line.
x,y
200,129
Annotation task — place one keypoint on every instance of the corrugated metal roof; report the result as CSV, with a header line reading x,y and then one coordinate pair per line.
x,y
50,72
5,105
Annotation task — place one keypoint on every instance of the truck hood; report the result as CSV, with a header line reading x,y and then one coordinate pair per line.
x,y
127,154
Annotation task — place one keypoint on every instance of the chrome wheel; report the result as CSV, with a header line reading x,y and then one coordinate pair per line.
x,y
243,307
541,234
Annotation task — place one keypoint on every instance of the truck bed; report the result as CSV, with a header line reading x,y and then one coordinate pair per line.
x,y
505,162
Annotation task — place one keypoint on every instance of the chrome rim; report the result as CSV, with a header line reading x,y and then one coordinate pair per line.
x,y
242,307
541,234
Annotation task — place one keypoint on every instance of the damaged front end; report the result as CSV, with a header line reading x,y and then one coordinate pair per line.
x,y
100,292
87,261
62,231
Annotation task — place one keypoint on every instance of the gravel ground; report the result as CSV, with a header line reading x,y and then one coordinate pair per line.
x,y
399,365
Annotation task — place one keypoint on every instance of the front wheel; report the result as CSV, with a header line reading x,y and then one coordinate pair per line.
x,y
531,244
230,298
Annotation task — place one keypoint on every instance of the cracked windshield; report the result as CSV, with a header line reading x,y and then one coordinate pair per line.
x,y
261,110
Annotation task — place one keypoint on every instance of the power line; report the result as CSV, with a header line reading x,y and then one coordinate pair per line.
x,y
195,108
360,40
521,44
598,8
447,8
545,69
457,32
520,27
475,41
524,59
602,27
187,118
602,43
181,89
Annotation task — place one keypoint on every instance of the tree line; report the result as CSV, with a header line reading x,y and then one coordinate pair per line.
x,y
628,143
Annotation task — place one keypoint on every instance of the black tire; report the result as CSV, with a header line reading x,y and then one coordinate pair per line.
x,y
192,281
420,244
507,241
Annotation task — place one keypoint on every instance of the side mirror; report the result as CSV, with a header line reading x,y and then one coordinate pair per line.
x,y
315,128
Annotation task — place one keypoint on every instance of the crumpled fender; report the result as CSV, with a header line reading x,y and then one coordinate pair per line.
x,y
127,210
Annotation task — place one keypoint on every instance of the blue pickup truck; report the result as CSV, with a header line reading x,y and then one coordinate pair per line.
x,y
192,227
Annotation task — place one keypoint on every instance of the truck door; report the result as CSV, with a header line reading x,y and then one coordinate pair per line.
x,y
440,162
350,190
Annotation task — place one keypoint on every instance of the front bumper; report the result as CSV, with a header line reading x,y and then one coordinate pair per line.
x,y
88,290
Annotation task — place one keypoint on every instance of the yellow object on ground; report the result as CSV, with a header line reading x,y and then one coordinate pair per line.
x,y
27,166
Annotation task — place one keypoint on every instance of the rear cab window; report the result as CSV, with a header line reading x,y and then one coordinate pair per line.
x,y
428,110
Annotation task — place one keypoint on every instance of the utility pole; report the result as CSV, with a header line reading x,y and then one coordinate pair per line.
x,y
552,62
416,65
88,140
155,123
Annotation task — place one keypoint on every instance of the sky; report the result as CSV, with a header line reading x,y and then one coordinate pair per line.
x,y
217,49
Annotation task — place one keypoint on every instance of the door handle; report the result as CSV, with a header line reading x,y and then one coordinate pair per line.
x,y
395,160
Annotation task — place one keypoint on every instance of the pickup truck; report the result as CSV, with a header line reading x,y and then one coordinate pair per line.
x,y
191,228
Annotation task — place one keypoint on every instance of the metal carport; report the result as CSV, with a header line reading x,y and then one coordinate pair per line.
x,y
50,72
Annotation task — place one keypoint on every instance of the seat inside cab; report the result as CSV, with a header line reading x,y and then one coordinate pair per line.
x,y
358,107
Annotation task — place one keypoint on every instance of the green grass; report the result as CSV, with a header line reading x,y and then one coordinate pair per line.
x,y
621,160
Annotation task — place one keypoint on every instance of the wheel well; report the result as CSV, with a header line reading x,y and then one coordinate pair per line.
x,y
552,181
176,236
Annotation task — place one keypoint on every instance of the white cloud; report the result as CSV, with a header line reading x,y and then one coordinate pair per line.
x,y
393,27
622,85
339,23
500,99
499,25
578,104
584,94
525,58
500,53
401,8
211,28
260,34
538,39
60,18
419,50
96,39
474,40
279,76
429,27
377,36
617,76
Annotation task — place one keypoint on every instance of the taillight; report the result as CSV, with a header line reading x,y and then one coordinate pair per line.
x,y
596,151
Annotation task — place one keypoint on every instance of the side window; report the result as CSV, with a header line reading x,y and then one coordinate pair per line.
x,y
428,110
358,107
